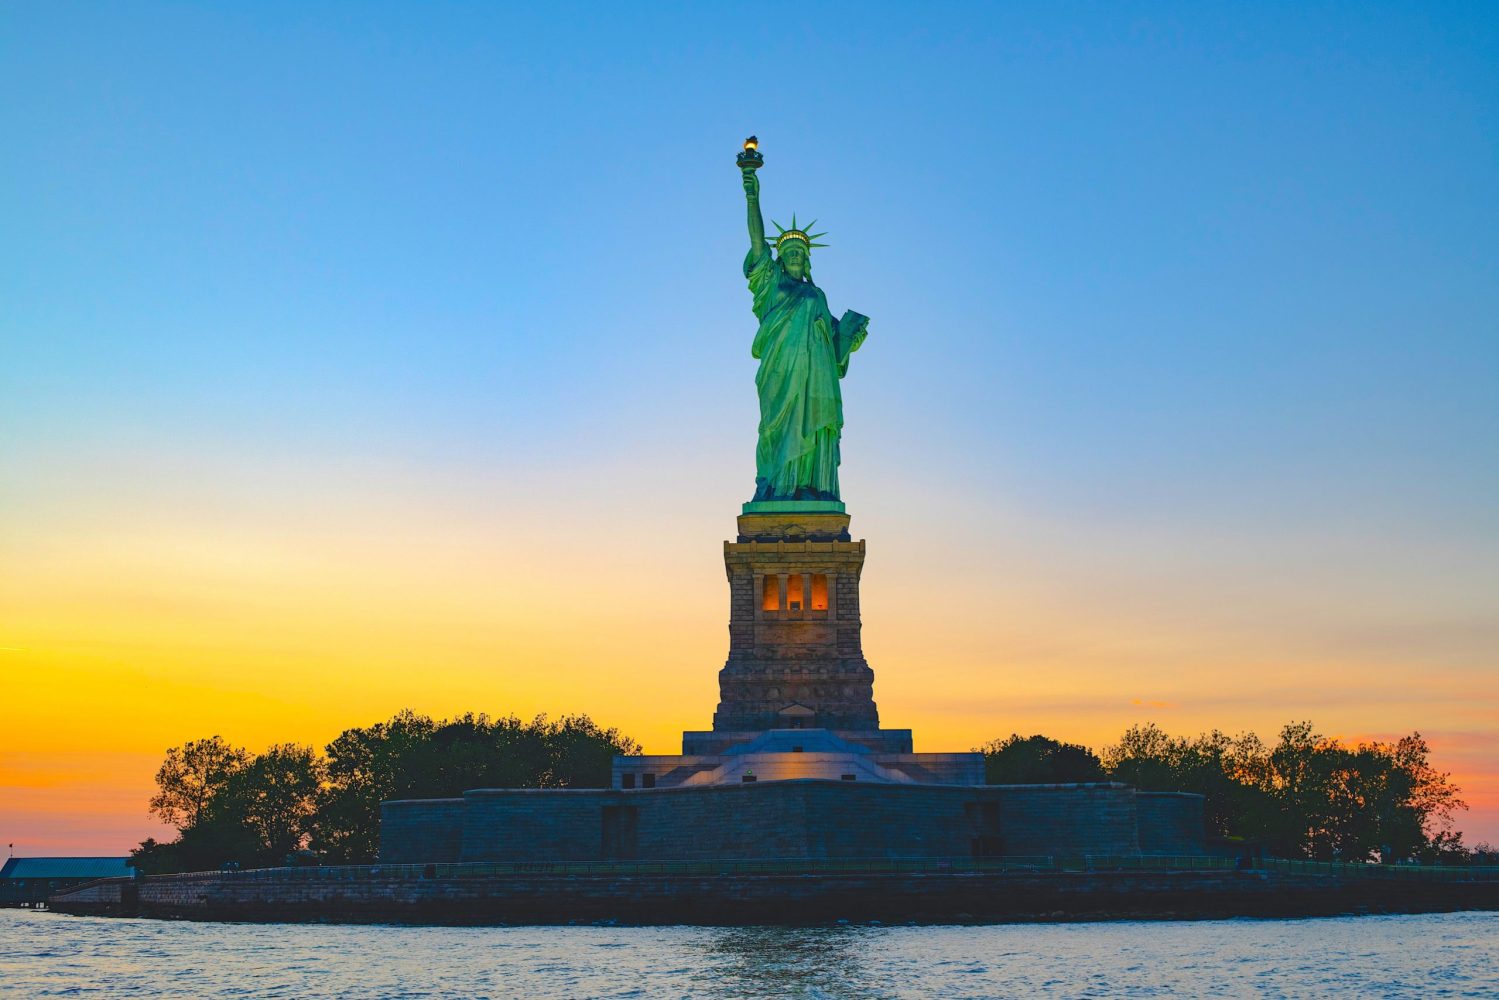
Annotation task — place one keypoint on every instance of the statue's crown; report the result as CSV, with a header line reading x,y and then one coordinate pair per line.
x,y
796,233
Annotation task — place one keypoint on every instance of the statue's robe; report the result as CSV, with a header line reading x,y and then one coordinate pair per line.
x,y
803,352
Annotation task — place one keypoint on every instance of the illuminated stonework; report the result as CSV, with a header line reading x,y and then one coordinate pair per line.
x,y
796,696
796,649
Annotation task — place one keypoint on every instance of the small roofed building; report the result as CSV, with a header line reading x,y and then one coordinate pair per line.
x,y
29,881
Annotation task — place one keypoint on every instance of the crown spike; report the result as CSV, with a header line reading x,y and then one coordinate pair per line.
x,y
781,227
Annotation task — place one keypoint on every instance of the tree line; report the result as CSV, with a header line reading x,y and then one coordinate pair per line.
x,y
262,809
1305,796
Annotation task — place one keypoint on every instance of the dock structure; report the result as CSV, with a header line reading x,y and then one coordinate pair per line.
x,y
29,882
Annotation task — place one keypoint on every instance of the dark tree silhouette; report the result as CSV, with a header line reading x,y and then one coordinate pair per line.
x,y
230,805
1038,760
1308,795
191,776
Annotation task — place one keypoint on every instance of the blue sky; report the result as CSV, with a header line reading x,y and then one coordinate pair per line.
x,y
1178,310
1099,237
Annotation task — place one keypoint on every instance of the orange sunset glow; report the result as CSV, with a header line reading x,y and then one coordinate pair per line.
x,y
143,624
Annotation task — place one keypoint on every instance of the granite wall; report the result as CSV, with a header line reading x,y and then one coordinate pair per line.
x,y
1094,818
1171,823
785,819
962,896
426,829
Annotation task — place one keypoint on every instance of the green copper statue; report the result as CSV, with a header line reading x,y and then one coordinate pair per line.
x,y
803,352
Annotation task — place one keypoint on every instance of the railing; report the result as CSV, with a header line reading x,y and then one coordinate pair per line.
x,y
90,883
774,866
1415,873
40,894
1080,863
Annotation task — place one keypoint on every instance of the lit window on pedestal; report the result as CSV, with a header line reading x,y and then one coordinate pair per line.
x,y
794,599
770,594
819,592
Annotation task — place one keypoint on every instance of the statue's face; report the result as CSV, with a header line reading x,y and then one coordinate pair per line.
x,y
794,258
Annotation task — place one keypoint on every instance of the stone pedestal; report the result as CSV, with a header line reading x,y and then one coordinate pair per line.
x,y
795,659
796,697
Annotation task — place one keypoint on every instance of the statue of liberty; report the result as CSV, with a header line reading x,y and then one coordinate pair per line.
x,y
803,352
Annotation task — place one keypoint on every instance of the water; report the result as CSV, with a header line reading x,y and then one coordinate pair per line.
x,y
1444,955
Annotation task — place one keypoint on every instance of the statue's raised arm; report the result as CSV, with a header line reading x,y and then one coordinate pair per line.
x,y
756,220
803,352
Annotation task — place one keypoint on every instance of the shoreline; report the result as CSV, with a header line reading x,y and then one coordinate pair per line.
x,y
767,899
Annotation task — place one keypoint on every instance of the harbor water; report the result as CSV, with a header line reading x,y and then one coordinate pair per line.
x,y
1443,955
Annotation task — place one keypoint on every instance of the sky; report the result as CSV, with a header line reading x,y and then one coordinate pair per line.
x,y
357,357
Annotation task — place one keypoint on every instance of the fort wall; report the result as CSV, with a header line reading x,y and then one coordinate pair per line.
x,y
1171,823
788,819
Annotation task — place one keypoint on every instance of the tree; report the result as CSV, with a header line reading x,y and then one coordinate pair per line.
x,y
580,753
233,806
411,756
203,847
364,766
191,776
1146,758
1038,760
274,797
1432,797
1213,765
1308,796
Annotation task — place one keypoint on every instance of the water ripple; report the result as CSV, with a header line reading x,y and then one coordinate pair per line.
x,y
1445,955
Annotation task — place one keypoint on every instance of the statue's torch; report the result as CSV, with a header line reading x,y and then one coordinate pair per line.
x,y
750,158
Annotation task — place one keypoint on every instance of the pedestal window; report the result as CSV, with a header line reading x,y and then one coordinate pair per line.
x,y
819,598
770,593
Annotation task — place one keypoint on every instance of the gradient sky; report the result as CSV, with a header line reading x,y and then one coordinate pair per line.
x,y
358,357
